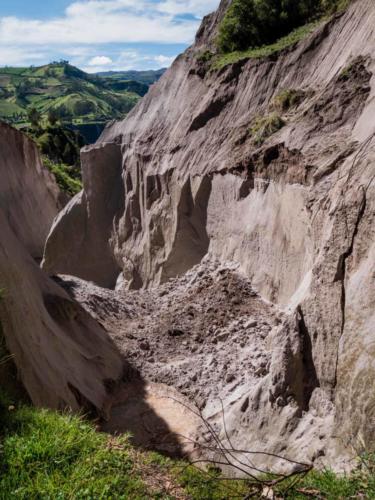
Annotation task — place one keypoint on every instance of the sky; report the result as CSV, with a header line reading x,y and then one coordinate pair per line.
x,y
99,35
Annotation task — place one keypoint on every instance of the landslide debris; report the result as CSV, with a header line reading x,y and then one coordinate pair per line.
x,y
207,341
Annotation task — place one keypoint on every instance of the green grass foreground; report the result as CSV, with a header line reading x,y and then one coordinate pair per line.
x,y
49,455
46,455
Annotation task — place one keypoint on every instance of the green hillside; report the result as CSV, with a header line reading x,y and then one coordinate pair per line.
x,y
62,108
147,77
76,97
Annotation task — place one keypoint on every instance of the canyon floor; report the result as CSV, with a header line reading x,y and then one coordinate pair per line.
x,y
190,343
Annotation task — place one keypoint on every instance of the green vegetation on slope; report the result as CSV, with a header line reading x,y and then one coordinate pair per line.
x,y
223,59
287,99
260,28
58,143
62,108
265,126
47,455
147,77
68,177
60,149
254,23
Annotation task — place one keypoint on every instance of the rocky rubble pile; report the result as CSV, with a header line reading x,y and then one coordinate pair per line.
x,y
211,337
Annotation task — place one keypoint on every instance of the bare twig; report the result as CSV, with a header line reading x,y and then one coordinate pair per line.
x,y
6,359
265,453
228,458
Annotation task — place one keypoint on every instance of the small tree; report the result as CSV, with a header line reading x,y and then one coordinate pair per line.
x,y
68,117
52,117
64,114
23,88
34,117
84,107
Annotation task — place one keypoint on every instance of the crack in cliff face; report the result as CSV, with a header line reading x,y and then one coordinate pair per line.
x,y
342,271
190,241
310,378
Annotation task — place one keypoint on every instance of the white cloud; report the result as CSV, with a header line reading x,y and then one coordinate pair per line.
x,y
110,21
19,56
126,55
96,29
100,61
96,23
78,51
164,61
129,60
197,8
106,6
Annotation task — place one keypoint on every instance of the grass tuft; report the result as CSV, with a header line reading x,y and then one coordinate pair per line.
x,y
264,126
205,56
287,99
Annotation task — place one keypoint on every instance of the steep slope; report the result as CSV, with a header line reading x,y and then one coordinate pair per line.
x,y
63,356
28,191
186,176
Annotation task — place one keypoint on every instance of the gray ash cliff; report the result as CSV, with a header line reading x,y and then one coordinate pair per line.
x,y
181,178
64,358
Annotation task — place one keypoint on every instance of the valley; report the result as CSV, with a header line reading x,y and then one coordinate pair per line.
x,y
187,299
85,102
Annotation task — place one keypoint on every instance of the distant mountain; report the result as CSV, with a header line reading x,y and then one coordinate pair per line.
x,y
147,77
85,102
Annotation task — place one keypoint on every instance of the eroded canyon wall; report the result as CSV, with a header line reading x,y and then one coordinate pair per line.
x,y
182,177
64,358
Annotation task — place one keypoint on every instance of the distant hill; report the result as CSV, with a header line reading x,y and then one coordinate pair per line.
x,y
82,101
147,77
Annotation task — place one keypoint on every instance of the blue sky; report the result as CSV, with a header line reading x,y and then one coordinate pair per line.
x,y
99,35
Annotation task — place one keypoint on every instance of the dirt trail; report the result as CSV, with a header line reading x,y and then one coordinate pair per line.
x,y
156,416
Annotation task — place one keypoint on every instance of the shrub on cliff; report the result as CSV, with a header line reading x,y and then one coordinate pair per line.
x,y
67,177
254,23
287,99
265,126
59,143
